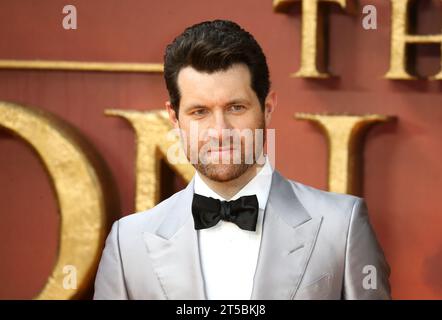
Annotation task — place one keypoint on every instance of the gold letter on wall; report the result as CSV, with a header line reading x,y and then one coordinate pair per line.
x,y
312,49
153,141
399,40
344,133
79,192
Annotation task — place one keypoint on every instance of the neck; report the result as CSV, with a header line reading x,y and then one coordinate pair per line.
x,y
229,188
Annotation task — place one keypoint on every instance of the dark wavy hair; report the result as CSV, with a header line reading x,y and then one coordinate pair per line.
x,y
212,46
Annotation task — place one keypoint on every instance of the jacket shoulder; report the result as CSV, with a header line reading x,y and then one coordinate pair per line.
x,y
151,219
323,202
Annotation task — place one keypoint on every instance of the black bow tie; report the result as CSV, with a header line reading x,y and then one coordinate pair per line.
x,y
207,212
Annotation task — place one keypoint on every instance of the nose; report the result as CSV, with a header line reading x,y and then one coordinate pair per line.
x,y
220,123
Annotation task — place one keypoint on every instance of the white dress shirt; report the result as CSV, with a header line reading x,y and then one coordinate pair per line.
x,y
228,253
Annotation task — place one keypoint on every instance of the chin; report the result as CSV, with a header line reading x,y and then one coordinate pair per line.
x,y
222,172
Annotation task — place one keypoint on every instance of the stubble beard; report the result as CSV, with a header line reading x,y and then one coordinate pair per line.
x,y
226,172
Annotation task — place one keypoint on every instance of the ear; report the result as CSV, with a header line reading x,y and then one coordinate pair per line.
x,y
270,104
172,115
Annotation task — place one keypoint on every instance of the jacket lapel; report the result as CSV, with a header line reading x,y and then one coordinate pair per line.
x,y
173,250
288,238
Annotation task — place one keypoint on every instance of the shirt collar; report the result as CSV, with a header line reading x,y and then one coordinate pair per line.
x,y
259,185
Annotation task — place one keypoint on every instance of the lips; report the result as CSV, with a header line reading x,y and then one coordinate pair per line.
x,y
221,149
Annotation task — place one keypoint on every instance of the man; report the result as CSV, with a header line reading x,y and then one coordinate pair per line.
x,y
239,230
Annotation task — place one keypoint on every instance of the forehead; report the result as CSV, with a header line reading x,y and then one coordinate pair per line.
x,y
211,88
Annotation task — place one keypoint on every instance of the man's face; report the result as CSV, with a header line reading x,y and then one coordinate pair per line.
x,y
225,112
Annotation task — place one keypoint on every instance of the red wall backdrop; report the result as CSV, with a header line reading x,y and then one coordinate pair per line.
x,y
403,176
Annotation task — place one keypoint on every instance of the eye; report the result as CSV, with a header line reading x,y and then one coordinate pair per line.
x,y
199,112
237,108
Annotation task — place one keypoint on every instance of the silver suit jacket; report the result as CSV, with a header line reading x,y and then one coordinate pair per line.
x,y
315,245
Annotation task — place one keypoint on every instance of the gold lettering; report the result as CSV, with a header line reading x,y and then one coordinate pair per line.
x,y
344,136
152,144
399,40
312,42
81,197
